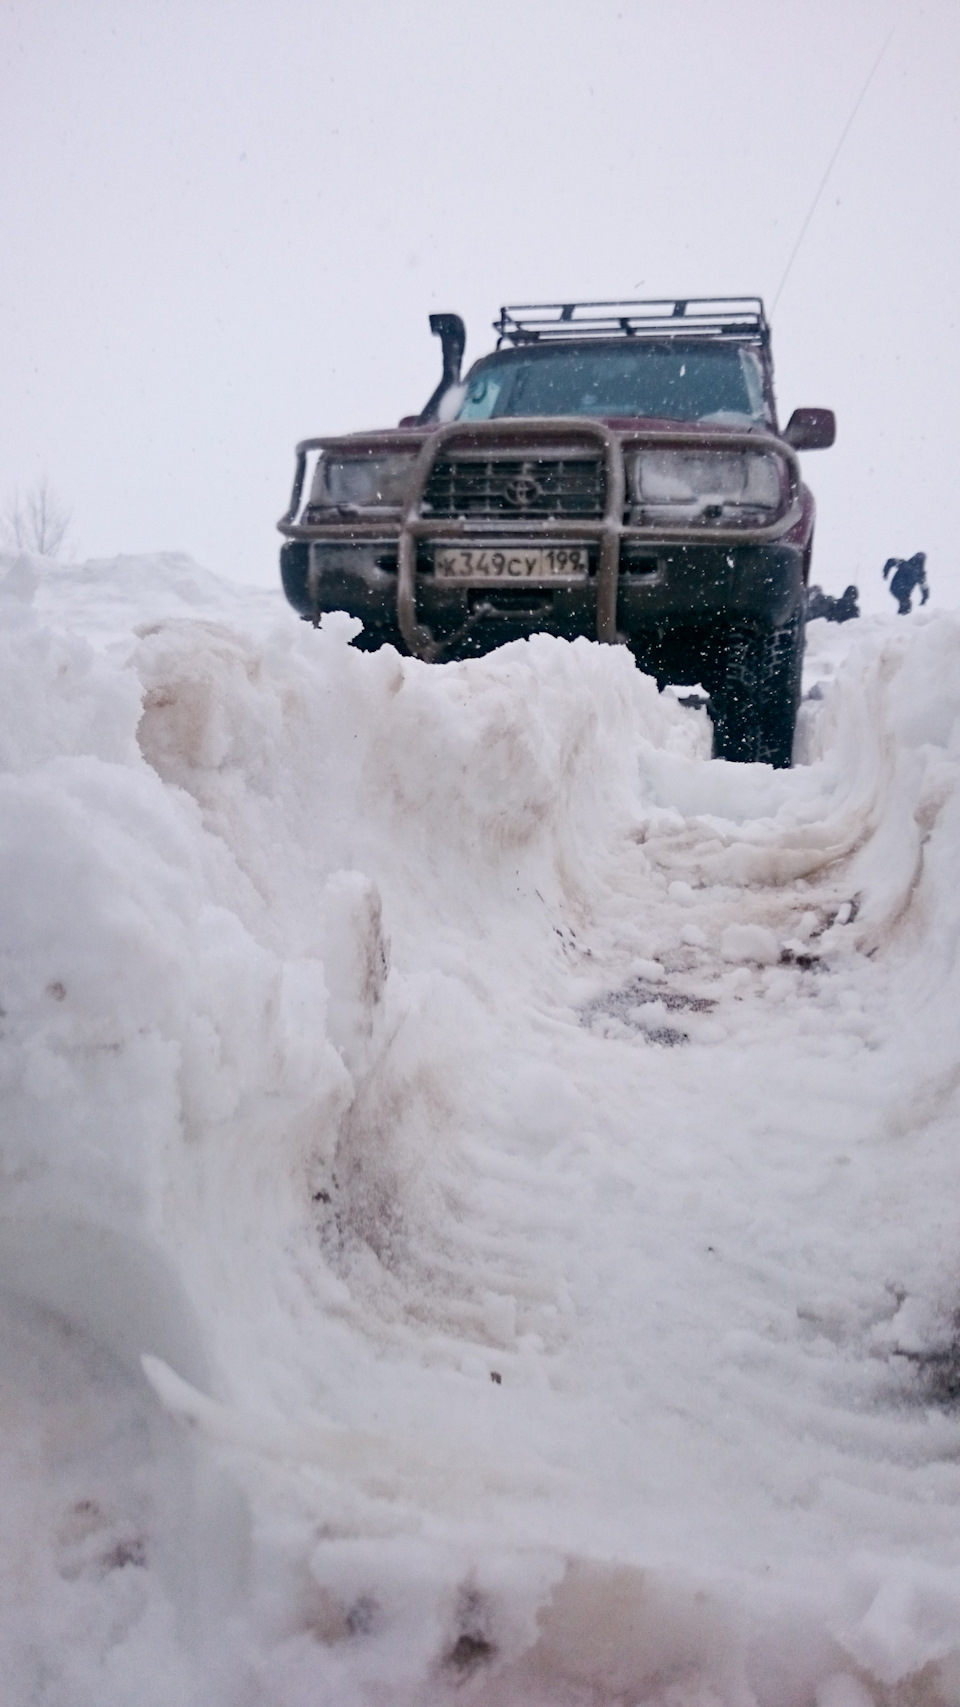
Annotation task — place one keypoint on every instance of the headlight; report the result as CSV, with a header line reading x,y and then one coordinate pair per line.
x,y
362,482
707,485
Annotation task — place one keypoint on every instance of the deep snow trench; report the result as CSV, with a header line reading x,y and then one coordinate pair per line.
x,y
480,1211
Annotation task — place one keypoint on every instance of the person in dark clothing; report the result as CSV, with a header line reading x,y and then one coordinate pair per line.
x,y
843,609
847,605
908,573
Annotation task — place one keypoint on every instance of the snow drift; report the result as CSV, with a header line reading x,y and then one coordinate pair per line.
x,y
480,1214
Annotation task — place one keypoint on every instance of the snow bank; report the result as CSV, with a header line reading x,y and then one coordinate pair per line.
x,y
520,1149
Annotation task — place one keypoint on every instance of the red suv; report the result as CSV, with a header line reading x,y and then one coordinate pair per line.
x,y
612,470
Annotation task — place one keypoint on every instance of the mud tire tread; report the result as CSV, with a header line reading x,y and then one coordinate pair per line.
x,y
756,705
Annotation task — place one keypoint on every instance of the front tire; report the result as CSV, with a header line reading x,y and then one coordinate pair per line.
x,y
756,702
295,575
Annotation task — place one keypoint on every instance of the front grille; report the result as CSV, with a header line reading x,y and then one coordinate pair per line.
x,y
514,488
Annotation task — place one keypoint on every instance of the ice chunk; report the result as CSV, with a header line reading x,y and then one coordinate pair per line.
x,y
693,936
753,943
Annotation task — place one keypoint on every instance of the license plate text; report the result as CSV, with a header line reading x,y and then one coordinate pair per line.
x,y
511,563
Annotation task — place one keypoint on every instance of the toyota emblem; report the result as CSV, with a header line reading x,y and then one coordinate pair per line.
x,y
523,492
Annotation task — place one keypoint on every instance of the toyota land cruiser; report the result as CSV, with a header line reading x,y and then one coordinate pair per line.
x,y
614,470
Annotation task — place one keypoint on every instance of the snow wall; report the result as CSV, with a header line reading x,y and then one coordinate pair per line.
x,y
480,1216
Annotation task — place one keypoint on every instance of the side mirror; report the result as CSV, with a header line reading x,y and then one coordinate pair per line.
x,y
811,429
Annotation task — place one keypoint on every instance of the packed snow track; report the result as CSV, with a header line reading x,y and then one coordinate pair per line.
x,y
480,1211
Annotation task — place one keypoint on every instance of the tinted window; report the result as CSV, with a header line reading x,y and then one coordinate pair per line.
x,y
674,383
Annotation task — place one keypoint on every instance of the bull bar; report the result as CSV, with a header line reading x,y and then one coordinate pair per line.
x,y
606,532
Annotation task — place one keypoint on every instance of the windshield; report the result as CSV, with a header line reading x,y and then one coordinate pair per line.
x,y
711,382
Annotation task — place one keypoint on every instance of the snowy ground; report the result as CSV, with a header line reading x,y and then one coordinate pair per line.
x,y
523,1152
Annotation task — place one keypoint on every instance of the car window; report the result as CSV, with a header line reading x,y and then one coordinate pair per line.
x,y
720,382
483,393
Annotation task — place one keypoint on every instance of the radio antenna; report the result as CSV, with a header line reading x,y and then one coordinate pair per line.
x,y
832,162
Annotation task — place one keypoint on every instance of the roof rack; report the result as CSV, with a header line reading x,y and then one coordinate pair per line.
x,y
670,317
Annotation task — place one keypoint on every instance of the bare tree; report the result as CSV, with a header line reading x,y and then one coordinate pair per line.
x,y
35,521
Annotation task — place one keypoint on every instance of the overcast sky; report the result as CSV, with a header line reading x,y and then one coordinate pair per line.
x,y
224,225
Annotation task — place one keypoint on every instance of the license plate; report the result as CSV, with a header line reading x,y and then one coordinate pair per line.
x,y
511,563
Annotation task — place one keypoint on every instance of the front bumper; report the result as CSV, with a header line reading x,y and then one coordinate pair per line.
x,y
642,580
